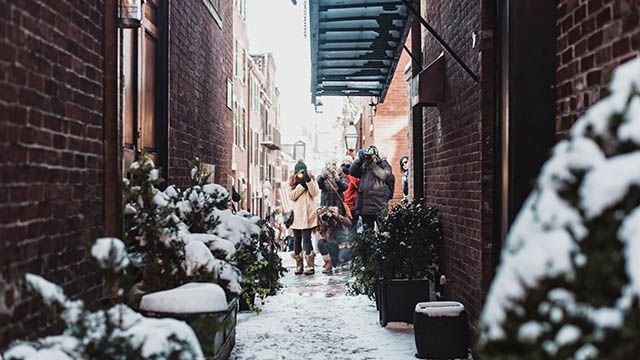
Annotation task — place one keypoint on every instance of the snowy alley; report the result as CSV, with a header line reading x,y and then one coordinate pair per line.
x,y
314,318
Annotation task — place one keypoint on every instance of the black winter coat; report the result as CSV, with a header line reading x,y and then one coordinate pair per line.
x,y
376,182
329,197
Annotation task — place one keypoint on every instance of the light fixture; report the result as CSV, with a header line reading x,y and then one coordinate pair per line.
x,y
351,137
130,13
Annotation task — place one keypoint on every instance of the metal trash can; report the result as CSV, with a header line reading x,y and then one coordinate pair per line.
x,y
441,330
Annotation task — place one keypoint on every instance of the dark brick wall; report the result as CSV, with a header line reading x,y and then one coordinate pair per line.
x,y
51,149
458,148
200,62
594,36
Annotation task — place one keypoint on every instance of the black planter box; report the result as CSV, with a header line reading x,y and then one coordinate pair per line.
x,y
216,331
396,299
441,337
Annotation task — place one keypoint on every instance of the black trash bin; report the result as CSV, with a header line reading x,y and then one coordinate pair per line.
x,y
441,330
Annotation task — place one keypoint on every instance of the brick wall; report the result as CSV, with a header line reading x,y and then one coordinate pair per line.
x,y
593,38
458,140
391,124
200,62
51,149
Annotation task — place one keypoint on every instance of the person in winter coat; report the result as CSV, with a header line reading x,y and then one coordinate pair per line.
x,y
303,190
330,223
332,184
351,193
404,167
376,180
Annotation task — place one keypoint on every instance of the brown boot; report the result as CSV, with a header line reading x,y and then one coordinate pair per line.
x,y
298,264
310,270
326,268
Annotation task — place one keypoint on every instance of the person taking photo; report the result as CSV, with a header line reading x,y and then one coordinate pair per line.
x,y
376,181
303,190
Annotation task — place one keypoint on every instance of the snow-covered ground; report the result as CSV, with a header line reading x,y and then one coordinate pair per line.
x,y
314,318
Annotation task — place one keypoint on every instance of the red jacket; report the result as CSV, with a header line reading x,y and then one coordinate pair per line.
x,y
351,193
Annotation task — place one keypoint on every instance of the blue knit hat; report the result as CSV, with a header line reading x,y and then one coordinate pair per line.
x,y
300,165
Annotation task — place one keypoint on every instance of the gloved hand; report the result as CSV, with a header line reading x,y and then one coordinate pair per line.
x,y
307,178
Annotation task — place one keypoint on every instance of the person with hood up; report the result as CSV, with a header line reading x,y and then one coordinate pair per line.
x,y
303,190
376,182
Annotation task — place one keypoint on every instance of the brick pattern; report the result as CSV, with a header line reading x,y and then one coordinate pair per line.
x,y
391,124
594,36
458,138
200,62
51,150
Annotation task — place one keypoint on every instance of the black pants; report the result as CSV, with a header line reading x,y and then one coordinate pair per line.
x,y
302,237
331,248
369,221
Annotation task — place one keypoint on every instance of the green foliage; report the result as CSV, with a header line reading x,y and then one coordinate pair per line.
x,y
197,203
150,227
260,265
406,246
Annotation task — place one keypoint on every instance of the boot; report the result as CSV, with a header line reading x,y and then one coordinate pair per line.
x,y
328,265
298,264
310,264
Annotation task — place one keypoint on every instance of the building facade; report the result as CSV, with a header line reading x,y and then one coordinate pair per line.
x,y
81,98
483,144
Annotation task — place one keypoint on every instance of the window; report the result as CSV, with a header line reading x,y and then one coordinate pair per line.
x,y
230,94
235,122
235,57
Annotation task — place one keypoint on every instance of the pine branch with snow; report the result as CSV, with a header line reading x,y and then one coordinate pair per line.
x,y
151,227
116,333
569,282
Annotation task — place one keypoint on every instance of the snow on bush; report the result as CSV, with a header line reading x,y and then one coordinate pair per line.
x,y
569,281
116,333
198,258
234,228
189,298
110,253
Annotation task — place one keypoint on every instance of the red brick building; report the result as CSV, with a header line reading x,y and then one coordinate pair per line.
x,y
514,77
74,113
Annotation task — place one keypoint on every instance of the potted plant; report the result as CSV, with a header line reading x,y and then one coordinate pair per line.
x,y
398,264
172,263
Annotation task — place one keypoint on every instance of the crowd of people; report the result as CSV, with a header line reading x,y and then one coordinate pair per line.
x,y
353,194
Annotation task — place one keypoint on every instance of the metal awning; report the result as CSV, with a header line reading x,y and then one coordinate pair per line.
x,y
356,45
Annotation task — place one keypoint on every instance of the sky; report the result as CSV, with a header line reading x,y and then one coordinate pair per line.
x,y
278,26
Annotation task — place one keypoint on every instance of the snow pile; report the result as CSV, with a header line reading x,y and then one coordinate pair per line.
x,y
229,275
220,248
110,253
573,252
198,258
234,228
118,333
189,298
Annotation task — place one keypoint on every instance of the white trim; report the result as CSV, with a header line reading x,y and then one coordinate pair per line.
x,y
440,308
213,12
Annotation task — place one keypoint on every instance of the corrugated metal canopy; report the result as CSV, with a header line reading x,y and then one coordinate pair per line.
x,y
356,45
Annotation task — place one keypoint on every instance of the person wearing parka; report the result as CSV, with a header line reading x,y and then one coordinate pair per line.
x,y
303,190
374,191
332,184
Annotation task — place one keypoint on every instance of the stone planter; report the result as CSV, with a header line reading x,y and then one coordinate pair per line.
x,y
215,330
397,299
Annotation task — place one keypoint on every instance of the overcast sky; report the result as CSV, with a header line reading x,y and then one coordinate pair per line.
x,y
278,26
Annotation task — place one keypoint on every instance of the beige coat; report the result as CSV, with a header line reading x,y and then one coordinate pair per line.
x,y
304,207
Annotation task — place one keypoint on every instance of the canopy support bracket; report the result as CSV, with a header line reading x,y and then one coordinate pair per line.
x,y
447,48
